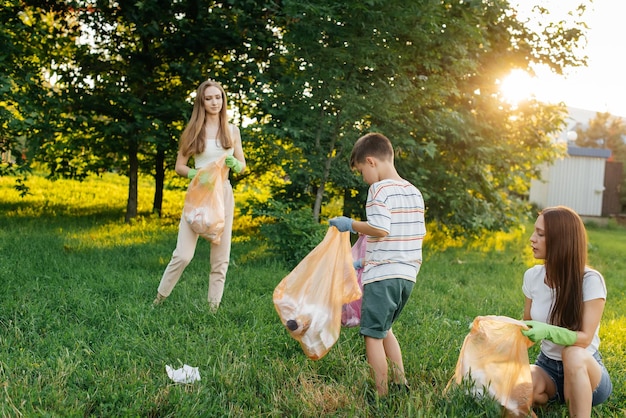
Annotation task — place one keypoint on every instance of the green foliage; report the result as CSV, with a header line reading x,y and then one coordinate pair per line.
x,y
106,87
604,131
310,76
426,74
28,37
291,233
79,335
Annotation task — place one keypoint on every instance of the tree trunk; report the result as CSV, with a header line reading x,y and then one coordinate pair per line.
x,y
319,196
159,177
133,169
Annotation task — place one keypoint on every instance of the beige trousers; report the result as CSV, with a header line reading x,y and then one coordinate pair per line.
x,y
186,247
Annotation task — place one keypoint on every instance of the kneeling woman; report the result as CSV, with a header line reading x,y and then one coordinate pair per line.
x,y
564,304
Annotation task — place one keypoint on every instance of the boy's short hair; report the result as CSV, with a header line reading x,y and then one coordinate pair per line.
x,y
371,145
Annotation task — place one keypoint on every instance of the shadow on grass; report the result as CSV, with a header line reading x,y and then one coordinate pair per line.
x,y
62,213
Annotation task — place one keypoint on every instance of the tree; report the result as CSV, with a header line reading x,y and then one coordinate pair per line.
x,y
315,75
605,131
30,37
126,86
425,73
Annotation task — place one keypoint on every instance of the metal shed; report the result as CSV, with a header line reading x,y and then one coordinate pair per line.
x,y
576,181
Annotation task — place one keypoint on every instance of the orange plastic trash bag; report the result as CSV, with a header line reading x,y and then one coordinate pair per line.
x,y
351,312
494,356
204,201
309,299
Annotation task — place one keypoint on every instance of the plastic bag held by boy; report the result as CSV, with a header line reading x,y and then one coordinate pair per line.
x,y
204,201
310,298
351,312
494,356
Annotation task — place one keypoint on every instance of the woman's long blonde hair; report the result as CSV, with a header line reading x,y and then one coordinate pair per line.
x,y
193,138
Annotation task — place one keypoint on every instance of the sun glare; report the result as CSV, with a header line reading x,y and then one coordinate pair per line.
x,y
517,86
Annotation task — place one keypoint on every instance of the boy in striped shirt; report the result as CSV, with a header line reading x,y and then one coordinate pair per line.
x,y
395,230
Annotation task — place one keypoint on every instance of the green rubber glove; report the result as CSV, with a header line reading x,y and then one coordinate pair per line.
x,y
542,331
191,173
234,164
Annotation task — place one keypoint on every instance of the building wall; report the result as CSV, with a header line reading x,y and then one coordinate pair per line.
x,y
611,202
576,182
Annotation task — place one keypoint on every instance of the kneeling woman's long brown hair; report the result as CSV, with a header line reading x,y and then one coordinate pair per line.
x,y
566,258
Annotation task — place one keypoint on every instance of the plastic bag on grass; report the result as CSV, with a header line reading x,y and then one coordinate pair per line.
x,y
186,374
351,312
309,299
204,201
494,357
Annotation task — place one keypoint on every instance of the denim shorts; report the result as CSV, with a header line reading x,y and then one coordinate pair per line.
x,y
554,368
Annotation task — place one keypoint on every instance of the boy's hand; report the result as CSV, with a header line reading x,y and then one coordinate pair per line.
x,y
191,173
342,223
234,164
542,331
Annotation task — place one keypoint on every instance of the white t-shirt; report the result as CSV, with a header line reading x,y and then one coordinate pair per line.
x,y
534,288
213,151
398,208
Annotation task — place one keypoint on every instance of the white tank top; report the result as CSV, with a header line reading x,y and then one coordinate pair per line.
x,y
213,150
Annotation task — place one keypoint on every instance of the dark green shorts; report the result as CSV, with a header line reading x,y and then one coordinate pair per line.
x,y
382,303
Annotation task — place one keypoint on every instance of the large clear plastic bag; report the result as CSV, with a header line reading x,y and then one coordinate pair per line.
x,y
351,312
494,361
309,299
204,201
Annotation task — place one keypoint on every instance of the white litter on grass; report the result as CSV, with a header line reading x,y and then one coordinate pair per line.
x,y
185,374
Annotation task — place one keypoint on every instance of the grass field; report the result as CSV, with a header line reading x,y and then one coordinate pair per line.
x,y
79,336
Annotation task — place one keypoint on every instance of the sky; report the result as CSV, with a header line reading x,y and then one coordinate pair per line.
x,y
599,87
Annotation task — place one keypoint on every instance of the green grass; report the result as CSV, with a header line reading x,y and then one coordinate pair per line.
x,y
79,337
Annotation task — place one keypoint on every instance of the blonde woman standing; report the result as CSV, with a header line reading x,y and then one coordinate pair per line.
x,y
206,138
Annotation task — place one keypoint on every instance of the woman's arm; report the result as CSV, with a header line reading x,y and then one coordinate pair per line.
x,y
527,305
181,165
238,152
592,313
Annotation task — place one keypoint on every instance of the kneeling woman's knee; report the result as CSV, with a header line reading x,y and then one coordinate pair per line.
x,y
577,360
573,356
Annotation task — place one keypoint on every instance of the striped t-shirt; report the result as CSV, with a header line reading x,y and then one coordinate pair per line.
x,y
395,206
